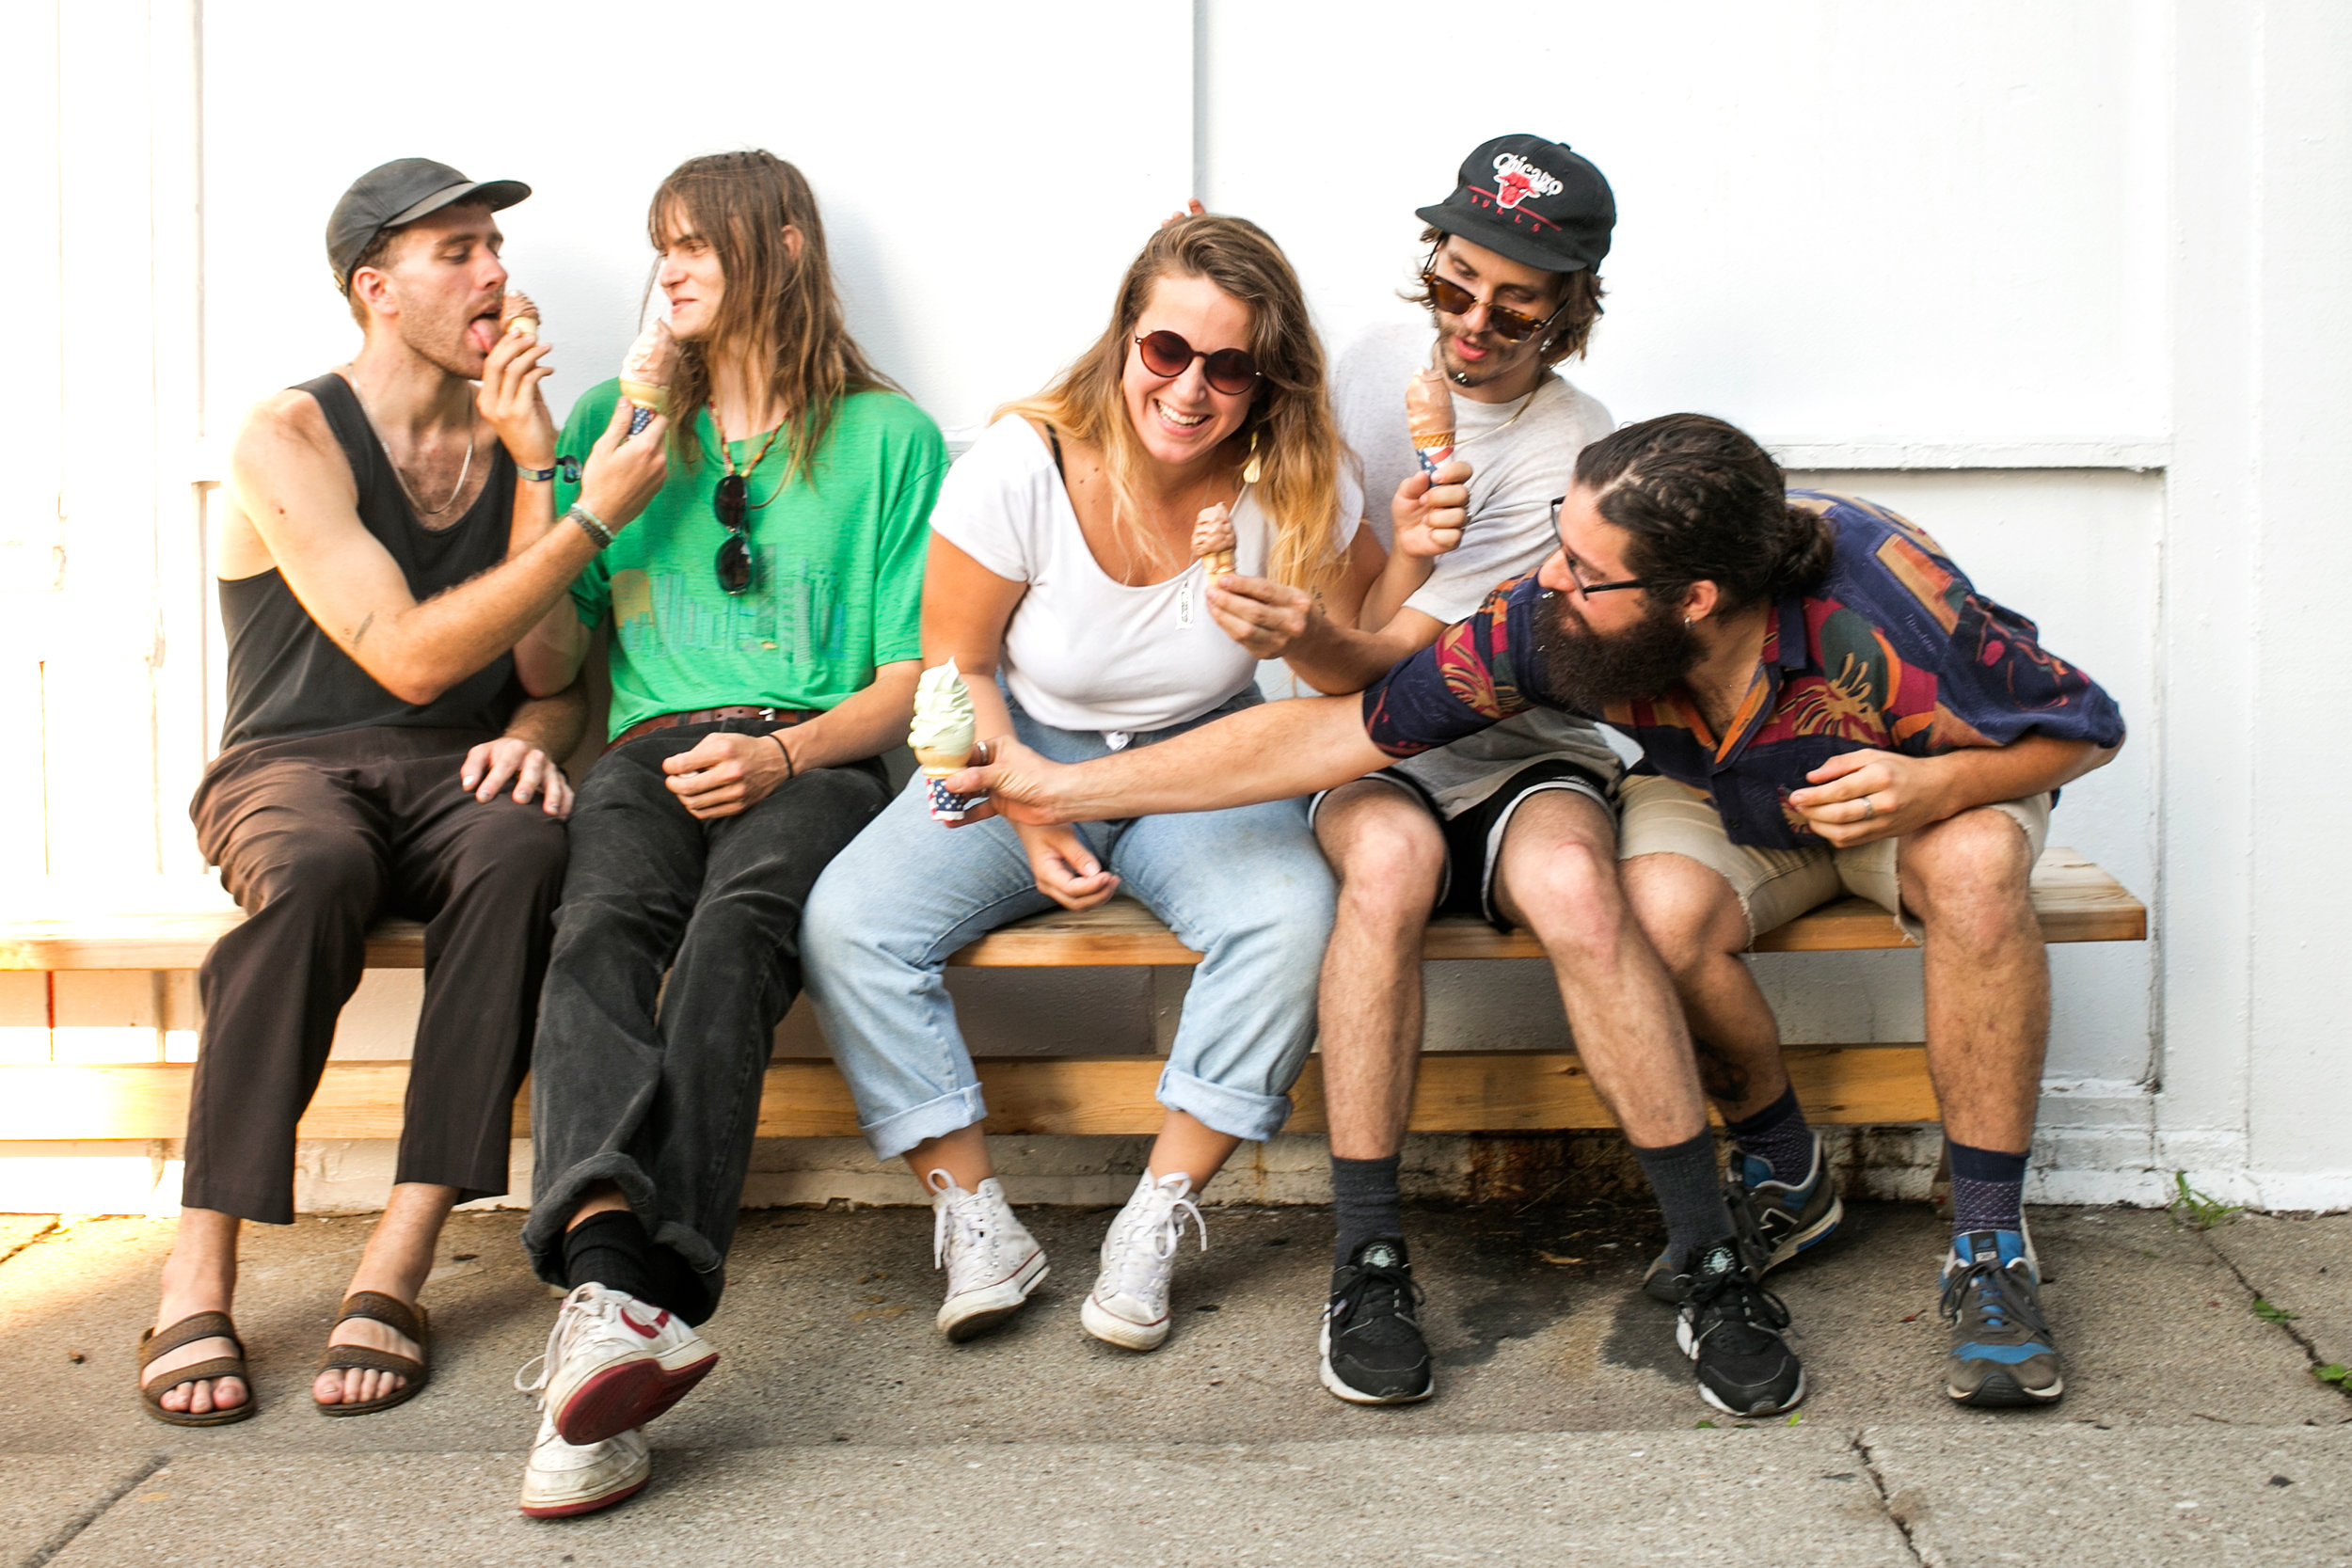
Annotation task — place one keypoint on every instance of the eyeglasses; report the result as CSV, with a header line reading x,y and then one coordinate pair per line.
x,y
1589,588
1454,300
1231,370
736,567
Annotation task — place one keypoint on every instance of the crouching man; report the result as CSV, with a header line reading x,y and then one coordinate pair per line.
x,y
1825,704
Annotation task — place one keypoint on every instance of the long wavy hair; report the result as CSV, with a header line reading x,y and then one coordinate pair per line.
x,y
776,310
1298,442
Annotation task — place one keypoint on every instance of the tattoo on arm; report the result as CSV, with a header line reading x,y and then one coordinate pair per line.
x,y
361,629
1724,1080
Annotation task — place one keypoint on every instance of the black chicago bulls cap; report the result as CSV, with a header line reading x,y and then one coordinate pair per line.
x,y
1532,200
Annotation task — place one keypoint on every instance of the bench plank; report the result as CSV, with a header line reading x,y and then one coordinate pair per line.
x,y
1470,1091
2076,902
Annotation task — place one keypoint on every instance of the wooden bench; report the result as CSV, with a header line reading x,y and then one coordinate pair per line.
x,y
1458,1092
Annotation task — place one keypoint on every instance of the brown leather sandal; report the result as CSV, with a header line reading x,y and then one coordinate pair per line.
x,y
188,1331
396,1315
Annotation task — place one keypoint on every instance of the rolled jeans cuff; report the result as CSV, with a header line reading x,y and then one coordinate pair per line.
x,y
1236,1113
934,1118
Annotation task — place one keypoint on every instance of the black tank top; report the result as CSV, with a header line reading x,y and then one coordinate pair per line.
x,y
288,678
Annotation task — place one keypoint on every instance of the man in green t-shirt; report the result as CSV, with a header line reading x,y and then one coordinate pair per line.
x,y
764,620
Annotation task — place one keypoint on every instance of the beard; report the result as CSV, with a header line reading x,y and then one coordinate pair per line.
x,y
444,339
1593,672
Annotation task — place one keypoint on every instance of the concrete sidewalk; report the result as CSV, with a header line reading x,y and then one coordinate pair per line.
x,y
839,1428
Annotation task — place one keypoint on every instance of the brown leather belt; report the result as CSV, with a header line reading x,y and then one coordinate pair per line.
x,y
712,715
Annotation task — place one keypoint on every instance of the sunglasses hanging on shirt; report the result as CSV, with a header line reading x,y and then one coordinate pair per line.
x,y
737,568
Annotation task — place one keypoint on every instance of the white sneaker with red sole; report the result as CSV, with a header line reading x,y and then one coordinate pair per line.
x,y
562,1478
614,1362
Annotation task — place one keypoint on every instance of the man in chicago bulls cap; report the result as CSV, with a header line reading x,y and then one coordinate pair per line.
x,y
1498,823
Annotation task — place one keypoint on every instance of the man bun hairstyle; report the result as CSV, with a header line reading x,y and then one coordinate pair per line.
x,y
1705,503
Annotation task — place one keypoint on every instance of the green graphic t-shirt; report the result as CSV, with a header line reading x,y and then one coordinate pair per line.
x,y
839,556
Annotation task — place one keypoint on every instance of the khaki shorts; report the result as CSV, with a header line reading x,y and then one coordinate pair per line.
x,y
1658,816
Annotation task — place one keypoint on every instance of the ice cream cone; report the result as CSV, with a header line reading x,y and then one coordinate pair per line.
x,y
645,373
1429,415
517,314
943,737
1213,540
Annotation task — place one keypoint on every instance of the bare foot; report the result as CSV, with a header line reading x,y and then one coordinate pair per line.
x,y
356,1385
200,1396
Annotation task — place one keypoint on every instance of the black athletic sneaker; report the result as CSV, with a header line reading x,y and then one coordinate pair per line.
x,y
2001,1349
1372,1352
1778,1220
1730,1326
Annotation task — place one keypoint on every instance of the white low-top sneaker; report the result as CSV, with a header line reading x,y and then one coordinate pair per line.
x,y
562,1478
1128,1305
614,1362
993,1262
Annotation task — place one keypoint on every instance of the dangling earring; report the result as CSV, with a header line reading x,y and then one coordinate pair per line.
x,y
1250,470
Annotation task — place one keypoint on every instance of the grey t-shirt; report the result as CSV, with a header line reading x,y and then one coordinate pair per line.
x,y
1522,454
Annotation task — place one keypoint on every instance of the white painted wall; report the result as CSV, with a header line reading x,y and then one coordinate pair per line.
x,y
2063,282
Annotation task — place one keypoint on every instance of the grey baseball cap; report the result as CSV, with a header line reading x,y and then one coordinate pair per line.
x,y
401,192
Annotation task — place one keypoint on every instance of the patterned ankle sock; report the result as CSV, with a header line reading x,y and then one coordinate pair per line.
x,y
1988,1189
1364,1202
1778,1134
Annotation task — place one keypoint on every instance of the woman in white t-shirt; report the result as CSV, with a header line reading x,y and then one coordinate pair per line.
x,y
1062,567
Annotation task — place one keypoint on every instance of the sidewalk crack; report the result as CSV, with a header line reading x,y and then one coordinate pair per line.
x,y
2285,1323
42,1234
1899,1514
93,1510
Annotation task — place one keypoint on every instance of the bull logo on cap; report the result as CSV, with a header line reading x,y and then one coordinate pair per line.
x,y
1516,180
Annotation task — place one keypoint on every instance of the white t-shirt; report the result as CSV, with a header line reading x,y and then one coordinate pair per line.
x,y
1085,651
1522,454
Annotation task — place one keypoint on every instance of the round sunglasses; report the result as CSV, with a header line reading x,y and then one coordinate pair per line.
x,y
1229,371
1453,300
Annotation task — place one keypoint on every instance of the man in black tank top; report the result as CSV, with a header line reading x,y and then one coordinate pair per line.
x,y
389,537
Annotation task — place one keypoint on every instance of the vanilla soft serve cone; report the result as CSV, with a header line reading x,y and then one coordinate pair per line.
x,y
645,370
944,732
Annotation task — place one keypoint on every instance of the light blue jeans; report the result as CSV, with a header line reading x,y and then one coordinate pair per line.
x,y
1247,889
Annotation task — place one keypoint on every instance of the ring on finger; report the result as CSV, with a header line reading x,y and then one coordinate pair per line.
x,y
1869,808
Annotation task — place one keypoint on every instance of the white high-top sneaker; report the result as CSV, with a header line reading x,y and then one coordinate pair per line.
x,y
993,1261
614,1362
563,1479
1128,1305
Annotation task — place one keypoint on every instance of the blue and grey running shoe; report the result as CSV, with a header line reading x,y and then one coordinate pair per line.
x,y
1787,1219
1778,1221
2001,1349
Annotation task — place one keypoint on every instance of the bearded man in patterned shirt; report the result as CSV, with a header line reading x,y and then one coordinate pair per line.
x,y
1825,705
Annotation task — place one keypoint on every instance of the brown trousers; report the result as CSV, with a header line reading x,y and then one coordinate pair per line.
x,y
315,838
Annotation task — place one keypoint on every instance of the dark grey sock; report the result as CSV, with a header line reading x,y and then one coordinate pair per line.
x,y
1690,1191
1364,1202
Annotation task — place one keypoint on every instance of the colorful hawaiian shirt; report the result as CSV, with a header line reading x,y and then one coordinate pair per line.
x,y
1893,652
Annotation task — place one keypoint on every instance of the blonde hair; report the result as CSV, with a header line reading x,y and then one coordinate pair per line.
x,y
1298,447
774,307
